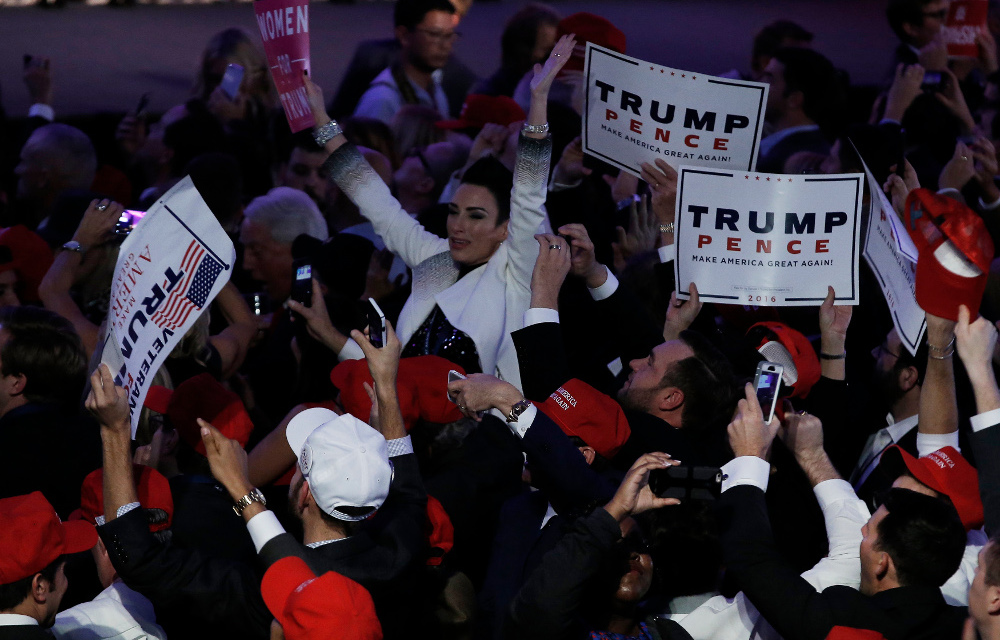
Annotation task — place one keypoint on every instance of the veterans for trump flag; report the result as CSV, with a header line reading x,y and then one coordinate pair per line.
x,y
170,268
637,111
767,239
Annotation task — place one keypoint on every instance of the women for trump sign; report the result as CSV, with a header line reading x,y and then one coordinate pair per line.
x,y
767,239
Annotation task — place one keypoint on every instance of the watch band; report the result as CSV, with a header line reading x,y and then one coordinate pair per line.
x,y
827,356
667,228
327,132
516,411
254,496
73,245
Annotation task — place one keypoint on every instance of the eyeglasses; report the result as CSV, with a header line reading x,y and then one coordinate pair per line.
x,y
883,348
443,37
416,152
937,15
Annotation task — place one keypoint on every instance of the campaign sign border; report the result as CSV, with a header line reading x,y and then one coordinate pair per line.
x,y
726,299
591,49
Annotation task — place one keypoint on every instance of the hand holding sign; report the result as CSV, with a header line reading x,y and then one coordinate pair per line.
x,y
542,79
108,402
314,96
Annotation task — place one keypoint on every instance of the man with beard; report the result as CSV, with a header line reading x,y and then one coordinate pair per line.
x,y
426,32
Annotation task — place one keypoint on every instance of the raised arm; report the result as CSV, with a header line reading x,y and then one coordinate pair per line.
x,y
938,404
531,171
233,342
402,234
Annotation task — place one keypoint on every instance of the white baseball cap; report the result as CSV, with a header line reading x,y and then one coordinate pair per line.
x,y
344,459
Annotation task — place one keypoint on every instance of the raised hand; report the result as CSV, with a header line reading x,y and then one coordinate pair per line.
x,y
681,313
550,271
634,495
543,76
749,435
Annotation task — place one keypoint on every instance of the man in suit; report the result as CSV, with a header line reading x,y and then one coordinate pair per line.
x,y
42,369
360,527
34,546
911,545
802,88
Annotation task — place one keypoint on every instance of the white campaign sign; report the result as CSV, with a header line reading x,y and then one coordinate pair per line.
x,y
637,111
171,266
767,239
895,270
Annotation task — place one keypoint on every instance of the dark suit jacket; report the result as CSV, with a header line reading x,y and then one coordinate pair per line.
x,y
794,607
985,447
24,632
774,161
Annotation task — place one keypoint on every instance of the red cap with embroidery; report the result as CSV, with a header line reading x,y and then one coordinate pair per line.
x,y
582,411
947,472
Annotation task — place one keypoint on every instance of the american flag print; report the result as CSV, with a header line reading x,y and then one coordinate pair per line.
x,y
199,272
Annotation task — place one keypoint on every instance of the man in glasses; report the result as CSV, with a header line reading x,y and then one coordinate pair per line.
x,y
426,32
917,24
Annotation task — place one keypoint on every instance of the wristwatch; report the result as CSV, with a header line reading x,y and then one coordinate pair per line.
x,y
254,496
516,411
73,245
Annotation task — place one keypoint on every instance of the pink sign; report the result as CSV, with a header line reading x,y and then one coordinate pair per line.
x,y
284,28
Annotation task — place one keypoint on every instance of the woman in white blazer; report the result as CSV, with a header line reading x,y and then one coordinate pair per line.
x,y
471,289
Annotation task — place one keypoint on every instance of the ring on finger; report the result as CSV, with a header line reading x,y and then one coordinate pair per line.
x,y
102,206
556,247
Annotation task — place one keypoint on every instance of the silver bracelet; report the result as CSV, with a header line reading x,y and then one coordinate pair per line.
x,y
327,132
535,128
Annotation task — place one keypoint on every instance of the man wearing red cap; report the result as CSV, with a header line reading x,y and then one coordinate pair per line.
x,y
33,546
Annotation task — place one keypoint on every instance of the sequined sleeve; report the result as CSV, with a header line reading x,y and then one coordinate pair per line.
x,y
403,235
527,206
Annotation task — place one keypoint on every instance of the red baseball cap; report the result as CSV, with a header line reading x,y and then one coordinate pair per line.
x,y
311,608
782,344
480,110
955,253
582,411
29,256
32,537
850,633
201,397
421,384
442,534
589,27
153,489
945,471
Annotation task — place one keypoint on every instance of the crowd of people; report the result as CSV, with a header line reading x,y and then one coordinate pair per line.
x,y
543,441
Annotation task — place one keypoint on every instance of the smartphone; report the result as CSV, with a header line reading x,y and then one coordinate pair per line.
x,y
767,383
302,282
686,483
127,221
376,324
452,377
934,81
232,80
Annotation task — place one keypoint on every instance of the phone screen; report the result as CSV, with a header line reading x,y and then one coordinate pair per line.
x,y
232,80
767,385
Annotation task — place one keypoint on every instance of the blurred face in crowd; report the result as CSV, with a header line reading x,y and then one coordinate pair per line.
x,y
934,15
774,76
305,173
637,576
32,174
643,388
153,154
473,232
428,45
871,557
984,598
8,285
886,378
544,41
267,260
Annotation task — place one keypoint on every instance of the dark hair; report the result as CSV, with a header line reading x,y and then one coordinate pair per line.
x,y
196,133
815,76
219,180
521,33
707,381
918,361
371,133
900,12
924,537
14,593
686,548
991,562
410,13
45,348
773,37
490,174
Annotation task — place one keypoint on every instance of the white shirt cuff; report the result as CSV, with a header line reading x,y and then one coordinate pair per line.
x,y
928,443
524,421
607,289
125,508
263,527
399,446
43,111
667,253
984,420
540,315
749,470
556,187
951,192
831,491
351,351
